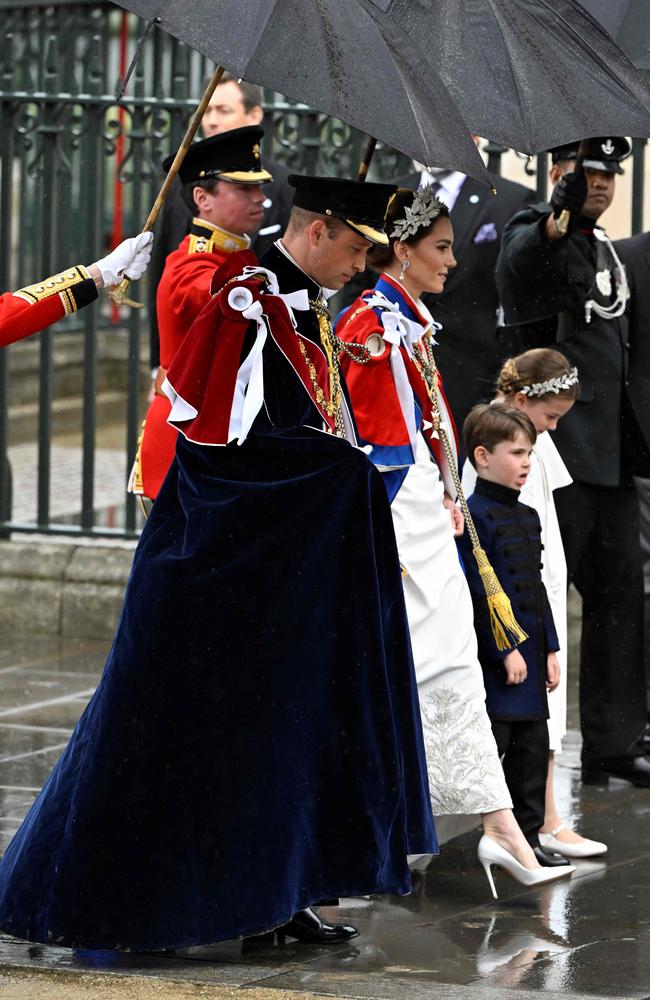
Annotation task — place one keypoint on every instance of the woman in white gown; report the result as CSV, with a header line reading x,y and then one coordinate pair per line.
x,y
542,383
396,417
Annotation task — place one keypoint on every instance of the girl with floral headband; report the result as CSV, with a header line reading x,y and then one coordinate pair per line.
x,y
405,423
544,385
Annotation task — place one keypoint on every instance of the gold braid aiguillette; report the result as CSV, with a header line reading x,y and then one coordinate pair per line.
x,y
505,628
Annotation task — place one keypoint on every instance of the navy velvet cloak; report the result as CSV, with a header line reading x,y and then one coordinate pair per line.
x,y
254,744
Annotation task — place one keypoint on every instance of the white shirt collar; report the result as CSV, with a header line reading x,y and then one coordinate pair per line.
x,y
449,185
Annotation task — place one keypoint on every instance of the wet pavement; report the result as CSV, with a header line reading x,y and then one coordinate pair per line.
x,y
587,938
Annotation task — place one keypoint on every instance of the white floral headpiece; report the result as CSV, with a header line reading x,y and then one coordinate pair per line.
x,y
425,208
552,385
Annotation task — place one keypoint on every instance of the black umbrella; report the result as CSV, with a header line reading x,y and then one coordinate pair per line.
x,y
530,74
344,57
628,22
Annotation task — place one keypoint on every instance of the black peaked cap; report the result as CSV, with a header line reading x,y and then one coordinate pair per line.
x,y
360,205
233,156
603,153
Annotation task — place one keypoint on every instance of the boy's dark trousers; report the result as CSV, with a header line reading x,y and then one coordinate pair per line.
x,y
524,749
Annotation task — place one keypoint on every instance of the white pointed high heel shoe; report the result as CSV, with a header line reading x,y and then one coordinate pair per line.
x,y
490,853
584,849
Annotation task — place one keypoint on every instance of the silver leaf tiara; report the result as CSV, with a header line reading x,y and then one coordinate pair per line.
x,y
425,208
552,385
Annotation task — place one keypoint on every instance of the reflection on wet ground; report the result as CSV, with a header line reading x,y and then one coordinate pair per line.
x,y
586,938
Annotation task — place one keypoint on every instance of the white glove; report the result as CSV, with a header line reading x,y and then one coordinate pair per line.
x,y
130,258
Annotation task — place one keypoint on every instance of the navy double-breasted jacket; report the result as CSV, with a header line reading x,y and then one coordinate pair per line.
x,y
510,534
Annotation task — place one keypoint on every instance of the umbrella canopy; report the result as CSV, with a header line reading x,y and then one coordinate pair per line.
x,y
628,22
347,59
530,74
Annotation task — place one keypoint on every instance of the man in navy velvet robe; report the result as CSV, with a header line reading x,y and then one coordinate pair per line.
x,y
254,746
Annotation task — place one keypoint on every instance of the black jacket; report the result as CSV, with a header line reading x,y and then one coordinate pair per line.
x,y
543,286
174,225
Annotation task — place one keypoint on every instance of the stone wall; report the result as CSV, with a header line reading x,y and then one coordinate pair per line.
x,y
62,588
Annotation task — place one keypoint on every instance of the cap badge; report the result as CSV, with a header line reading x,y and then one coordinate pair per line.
x,y
608,147
256,151
604,282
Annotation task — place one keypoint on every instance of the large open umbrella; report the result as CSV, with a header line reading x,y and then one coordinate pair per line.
x,y
532,74
416,73
346,59
526,73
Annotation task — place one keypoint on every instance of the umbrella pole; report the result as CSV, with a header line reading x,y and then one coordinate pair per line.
x,y
565,216
118,294
367,158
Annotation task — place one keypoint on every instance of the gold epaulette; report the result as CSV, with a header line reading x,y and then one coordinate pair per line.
x,y
59,284
206,238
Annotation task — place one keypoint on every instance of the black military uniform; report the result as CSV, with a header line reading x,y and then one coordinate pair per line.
x,y
467,308
571,293
175,222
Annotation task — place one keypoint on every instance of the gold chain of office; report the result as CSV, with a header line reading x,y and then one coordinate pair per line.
x,y
332,346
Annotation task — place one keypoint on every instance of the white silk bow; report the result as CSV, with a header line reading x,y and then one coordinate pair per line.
x,y
248,397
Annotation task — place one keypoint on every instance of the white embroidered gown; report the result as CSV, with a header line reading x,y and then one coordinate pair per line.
x,y
465,774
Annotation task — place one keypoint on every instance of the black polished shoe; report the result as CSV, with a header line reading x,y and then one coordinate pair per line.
x,y
633,769
307,926
549,859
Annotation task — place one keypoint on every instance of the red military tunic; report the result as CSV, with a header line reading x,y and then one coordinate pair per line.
x,y
36,307
183,291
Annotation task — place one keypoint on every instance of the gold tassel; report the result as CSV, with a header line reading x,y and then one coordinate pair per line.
x,y
505,627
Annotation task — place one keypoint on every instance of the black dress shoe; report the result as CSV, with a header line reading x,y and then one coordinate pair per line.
x,y
633,769
305,926
549,859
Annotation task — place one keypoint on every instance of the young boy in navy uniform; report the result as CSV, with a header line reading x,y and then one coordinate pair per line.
x,y
499,440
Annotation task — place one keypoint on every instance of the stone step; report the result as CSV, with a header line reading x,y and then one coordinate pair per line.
x,y
70,588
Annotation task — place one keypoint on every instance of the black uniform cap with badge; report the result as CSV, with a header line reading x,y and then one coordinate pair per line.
x,y
603,153
233,156
359,205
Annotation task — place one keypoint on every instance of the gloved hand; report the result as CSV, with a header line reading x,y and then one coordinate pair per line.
x,y
569,193
129,258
